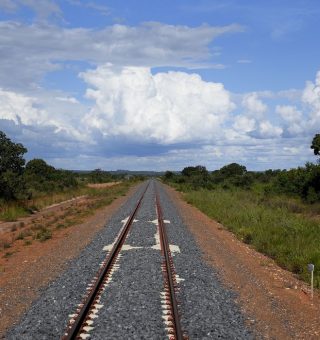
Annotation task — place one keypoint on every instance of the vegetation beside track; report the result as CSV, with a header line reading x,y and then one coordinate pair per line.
x,y
275,211
40,227
28,187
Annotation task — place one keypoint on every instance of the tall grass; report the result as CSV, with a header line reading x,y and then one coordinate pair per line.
x,y
11,211
272,226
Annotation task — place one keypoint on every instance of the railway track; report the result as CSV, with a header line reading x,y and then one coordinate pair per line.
x,y
80,323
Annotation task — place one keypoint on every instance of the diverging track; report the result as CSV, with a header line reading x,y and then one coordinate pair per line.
x,y
140,278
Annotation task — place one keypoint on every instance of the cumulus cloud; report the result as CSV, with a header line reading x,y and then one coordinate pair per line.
x,y
166,108
293,118
254,105
289,113
244,124
311,97
19,108
268,130
59,116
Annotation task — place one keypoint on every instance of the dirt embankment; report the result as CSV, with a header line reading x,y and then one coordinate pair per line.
x,y
277,303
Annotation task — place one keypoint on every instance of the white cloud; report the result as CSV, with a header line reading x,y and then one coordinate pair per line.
x,y
267,130
166,108
244,61
30,112
254,105
30,51
289,113
19,108
43,9
68,99
102,9
311,97
244,124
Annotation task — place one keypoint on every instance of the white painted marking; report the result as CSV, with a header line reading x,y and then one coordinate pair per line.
x,y
157,246
88,328
98,306
126,220
108,247
178,278
156,221
174,248
84,336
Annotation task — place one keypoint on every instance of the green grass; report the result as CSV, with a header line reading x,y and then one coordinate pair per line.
x,y
43,234
13,210
281,228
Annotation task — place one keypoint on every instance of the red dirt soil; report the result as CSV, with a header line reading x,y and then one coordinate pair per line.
x,y
31,267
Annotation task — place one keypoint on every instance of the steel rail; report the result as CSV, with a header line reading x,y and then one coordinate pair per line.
x,y
73,332
178,334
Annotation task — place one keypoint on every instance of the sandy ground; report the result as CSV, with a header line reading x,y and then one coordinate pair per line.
x,y
31,267
277,303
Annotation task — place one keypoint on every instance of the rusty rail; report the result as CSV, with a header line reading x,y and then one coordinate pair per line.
x,y
73,331
178,334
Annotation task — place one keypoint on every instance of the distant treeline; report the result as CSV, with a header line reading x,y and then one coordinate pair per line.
x,y
302,181
21,180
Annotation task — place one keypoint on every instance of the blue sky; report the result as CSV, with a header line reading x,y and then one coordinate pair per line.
x,y
161,84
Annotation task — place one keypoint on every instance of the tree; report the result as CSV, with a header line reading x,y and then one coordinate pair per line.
x,y
195,170
233,169
42,177
39,168
316,144
168,175
11,167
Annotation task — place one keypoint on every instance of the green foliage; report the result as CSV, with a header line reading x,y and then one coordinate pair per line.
x,y
43,178
195,176
232,170
315,145
303,182
268,224
11,167
100,176
43,234
169,175
199,177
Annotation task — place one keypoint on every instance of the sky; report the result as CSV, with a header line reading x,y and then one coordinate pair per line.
x,y
162,84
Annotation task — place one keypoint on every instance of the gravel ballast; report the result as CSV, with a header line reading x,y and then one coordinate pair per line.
x,y
131,301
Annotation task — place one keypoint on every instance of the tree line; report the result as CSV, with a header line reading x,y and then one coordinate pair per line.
x,y
302,181
21,180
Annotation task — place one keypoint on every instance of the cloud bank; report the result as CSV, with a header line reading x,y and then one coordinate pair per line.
x,y
134,113
165,108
